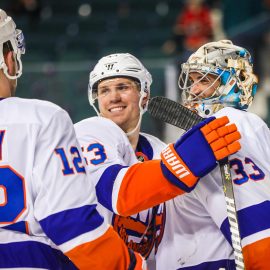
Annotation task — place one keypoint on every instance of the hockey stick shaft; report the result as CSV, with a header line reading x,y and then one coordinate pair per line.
x,y
175,114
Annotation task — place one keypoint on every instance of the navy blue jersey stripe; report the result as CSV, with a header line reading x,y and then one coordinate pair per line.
x,y
33,254
225,229
18,226
66,225
104,188
252,219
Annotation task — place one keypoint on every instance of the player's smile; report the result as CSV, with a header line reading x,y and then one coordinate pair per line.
x,y
117,109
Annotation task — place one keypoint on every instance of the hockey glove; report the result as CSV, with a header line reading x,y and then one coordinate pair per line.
x,y
196,153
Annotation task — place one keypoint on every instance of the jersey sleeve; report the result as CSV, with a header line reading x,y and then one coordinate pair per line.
x,y
123,185
65,203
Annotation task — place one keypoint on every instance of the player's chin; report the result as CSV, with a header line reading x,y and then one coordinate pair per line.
x,y
116,118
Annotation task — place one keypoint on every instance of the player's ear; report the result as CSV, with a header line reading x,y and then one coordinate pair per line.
x,y
146,96
10,62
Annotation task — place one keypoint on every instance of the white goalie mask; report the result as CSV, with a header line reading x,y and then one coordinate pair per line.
x,y
232,68
119,65
14,39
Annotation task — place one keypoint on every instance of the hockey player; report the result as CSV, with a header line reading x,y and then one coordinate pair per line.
x,y
123,101
47,205
218,80
121,86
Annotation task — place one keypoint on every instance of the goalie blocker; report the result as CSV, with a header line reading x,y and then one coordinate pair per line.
x,y
210,141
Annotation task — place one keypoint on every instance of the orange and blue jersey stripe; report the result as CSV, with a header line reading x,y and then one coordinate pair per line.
x,y
253,222
150,187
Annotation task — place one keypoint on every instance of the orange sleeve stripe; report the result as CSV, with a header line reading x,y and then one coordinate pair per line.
x,y
106,252
149,189
257,255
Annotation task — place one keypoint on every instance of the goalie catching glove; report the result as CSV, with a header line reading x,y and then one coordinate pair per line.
x,y
196,153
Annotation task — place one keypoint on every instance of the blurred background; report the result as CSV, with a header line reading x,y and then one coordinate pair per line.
x,y
64,39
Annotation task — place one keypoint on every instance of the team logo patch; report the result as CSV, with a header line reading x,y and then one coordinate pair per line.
x,y
141,232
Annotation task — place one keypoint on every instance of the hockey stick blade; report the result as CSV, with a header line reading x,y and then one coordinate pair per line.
x,y
173,113
177,115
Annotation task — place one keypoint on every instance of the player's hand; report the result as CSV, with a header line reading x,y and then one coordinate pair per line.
x,y
196,153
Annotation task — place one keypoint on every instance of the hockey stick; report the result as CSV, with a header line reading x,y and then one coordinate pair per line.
x,y
175,114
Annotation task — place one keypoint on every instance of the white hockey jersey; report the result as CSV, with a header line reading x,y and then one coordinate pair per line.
x,y
197,234
41,175
107,144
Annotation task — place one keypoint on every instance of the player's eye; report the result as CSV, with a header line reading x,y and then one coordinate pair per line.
x,y
190,81
123,87
204,81
103,91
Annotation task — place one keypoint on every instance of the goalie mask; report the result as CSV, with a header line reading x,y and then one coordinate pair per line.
x,y
119,65
228,70
15,41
